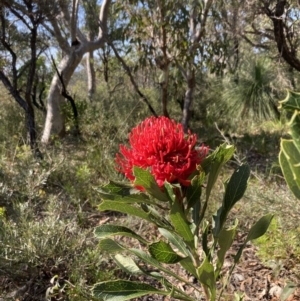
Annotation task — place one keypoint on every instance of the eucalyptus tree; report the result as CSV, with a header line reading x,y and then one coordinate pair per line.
x,y
91,25
147,30
170,34
21,45
284,17
65,27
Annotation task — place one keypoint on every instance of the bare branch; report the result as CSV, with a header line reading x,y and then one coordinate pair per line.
x,y
257,45
286,51
200,33
63,43
127,69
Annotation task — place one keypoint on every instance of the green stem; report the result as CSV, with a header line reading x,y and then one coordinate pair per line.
x,y
206,292
227,280
203,211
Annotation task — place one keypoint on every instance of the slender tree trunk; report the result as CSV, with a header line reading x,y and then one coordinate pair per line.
x,y
164,92
188,100
54,120
91,75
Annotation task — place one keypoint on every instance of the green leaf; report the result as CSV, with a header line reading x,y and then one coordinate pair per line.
x,y
289,159
225,241
188,265
236,187
110,246
219,220
256,231
205,238
193,193
112,230
176,240
217,159
196,216
181,225
234,190
295,128
145,179
127,264
122,189
124,208
291,102
131,198
163,252
206,276
155,263
121,290
260,227
170,191
156,217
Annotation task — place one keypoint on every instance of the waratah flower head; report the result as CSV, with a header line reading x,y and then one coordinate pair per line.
x,y
160,146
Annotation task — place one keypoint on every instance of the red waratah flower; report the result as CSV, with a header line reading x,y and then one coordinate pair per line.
x,y
160,145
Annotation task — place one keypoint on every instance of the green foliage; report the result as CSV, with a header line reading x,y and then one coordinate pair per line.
x,y
289,156
183,235
253,91
124,290
277,245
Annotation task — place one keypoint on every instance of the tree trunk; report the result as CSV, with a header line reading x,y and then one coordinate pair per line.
x,y
54,120
188,100
91,76
164,92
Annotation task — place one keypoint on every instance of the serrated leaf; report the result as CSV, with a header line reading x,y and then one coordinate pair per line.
x,y
112,230
127,264
124,208
181,225
295,129
145,179
290,149
110,246
121,290
236,187
291,102
289,158
163,252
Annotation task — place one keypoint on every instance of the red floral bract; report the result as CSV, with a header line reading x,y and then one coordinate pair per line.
x,y
160,145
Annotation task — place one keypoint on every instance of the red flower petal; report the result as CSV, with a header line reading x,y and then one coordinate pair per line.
x,y
159,145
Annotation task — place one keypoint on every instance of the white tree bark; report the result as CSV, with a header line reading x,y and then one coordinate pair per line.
x,y
91,76
54,123
54,120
